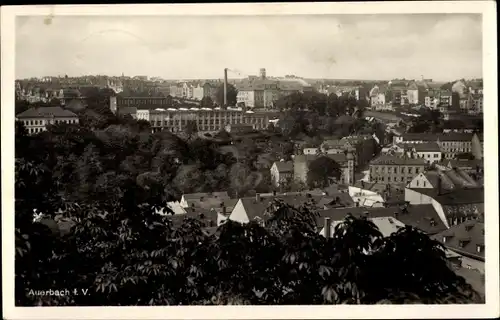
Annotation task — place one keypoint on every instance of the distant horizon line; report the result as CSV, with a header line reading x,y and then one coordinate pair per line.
x,y
242,78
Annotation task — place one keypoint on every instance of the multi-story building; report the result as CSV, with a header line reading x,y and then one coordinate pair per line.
x,y
453,144
261,92
377,97
35,120
394,169
282,173
209,90
445,98
475,103
428,151
209,120
413,93
198,92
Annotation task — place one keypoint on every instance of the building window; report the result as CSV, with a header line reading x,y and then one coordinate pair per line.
x,y
417,170
409,170
418,182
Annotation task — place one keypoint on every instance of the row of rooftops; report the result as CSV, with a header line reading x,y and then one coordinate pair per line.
x,y
452,136
46,112
335,206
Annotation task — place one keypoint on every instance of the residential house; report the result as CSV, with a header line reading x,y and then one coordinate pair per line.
x,y
377,97
421,217
432,100
460,88
282,173
468,240
35,120
346,162
209,90
475,87
445,98
475,103
454,206
204,200
198,92
393,169
413,94
429,151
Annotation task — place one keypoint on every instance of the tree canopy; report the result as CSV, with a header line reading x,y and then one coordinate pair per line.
x,y
321,170
99,193
232,92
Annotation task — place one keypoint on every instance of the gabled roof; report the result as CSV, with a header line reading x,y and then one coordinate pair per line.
x,y
256,208
46,112
284,166
469,233
423,216
450,179
454,197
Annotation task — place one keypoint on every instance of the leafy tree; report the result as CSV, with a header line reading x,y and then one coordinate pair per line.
x,y
191,128
206,102
321,170
231,95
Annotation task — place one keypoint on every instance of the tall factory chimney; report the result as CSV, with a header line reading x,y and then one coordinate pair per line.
x,y
225,87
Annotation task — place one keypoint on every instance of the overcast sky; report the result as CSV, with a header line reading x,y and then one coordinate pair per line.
x,y
438,46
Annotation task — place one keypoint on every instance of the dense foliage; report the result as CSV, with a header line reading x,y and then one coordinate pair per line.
x,y
99,190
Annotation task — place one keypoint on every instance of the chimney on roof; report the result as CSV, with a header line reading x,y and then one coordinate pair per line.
x,y
327,228
440,185
201,199
257,197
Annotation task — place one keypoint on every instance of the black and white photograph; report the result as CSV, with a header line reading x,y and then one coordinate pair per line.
x,y
177,156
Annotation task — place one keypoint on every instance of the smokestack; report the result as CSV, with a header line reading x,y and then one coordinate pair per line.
x,y
328,226
225,87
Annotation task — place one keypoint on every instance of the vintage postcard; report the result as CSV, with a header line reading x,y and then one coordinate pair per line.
x,y
250,161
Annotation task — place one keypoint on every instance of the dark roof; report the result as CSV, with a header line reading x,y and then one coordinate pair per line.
x,y
426,147
450,179
469,233
256,208
46,112
208,217
454,197
463,163
419,137
284,166
394,160
418,216
453,136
